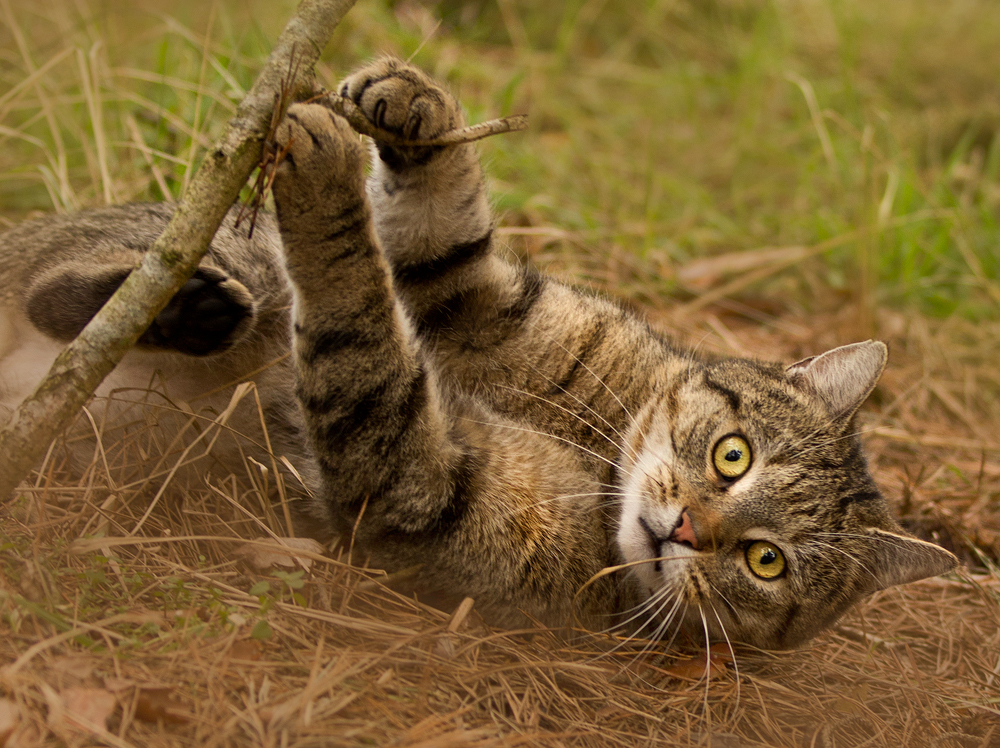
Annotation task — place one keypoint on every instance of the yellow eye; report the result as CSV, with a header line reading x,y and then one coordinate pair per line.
x,y
732,456
765,560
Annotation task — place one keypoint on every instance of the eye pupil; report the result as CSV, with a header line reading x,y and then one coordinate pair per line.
x,y
765,560
731,456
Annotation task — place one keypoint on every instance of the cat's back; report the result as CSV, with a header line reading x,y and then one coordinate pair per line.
x,y
41,243
36,246
80,250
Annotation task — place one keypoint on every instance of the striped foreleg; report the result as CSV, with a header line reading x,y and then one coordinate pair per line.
x,y
431,207
371,406
412,477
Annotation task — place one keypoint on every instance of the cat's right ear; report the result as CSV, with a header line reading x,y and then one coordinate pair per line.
x,y
901,559
842,378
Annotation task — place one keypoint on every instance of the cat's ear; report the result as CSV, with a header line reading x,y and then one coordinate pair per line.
x,y
844,377
900,559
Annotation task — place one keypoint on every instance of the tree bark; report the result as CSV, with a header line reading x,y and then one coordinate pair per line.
x,y
174,257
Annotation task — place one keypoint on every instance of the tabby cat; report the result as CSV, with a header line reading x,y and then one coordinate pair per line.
x,y
511,435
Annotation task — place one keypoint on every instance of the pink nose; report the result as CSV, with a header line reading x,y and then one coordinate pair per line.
x,y
684,532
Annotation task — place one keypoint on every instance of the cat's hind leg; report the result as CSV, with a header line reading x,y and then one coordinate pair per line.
x,y
207,315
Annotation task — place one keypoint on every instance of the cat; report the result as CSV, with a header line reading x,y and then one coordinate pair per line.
x,y
524,443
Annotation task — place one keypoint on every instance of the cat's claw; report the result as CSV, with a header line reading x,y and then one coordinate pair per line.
x,y
405,101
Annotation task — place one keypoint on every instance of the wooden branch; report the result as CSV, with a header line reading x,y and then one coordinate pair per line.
x,y
174,257
347,109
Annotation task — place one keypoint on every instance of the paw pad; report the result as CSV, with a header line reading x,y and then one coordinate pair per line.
x,y
401,99
202,318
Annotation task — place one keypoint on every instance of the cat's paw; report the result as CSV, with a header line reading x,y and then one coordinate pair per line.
x,y
405,101
322,168
207,315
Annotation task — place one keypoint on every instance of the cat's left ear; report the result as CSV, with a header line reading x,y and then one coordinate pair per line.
x,y
844,377
900,559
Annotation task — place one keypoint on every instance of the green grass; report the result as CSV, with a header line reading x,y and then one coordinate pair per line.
x,y
663,130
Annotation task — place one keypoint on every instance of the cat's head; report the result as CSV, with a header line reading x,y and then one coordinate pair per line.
x,y
748,508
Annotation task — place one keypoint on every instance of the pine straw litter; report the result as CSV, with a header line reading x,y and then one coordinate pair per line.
x,y
130,617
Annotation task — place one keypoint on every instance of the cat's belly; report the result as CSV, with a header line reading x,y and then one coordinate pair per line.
x,y
153,411
25,356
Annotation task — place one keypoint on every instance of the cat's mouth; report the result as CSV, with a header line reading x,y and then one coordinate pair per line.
x,y
653,540
680,534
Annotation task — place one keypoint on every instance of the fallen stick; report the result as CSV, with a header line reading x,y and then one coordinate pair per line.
x,y
175,255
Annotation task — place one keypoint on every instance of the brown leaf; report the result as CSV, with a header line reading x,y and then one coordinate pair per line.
x,y
696,668
721,653
77,667
10,716
114,685
268,553
160,705
246,649
81,709
689,669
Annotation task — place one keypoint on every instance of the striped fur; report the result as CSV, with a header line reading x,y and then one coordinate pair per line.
x,y
512,436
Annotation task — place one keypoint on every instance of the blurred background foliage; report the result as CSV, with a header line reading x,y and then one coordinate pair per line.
x,y
662,132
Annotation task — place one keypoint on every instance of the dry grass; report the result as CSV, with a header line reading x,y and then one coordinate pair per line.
x,y
153,631
195,650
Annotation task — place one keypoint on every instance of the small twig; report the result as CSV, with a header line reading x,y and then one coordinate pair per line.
x,y
347,109
869,640
460,614
270,156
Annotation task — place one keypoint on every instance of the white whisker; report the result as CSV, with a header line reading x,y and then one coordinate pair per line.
x,y
593,374
833,440
708,665
665,595
581,419
572,443
729,645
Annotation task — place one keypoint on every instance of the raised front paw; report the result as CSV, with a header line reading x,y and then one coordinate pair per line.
x,y
405,101
321,170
